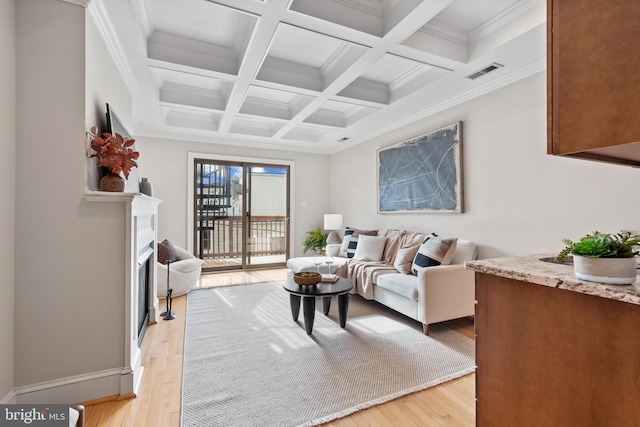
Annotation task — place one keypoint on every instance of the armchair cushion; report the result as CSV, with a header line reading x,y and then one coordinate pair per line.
x,y
183,273
186,265
167,252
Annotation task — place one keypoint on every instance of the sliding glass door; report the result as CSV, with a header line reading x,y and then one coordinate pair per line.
x,y
267,214
241,214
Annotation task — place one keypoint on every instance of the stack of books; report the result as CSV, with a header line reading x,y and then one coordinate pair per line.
x,y
329,278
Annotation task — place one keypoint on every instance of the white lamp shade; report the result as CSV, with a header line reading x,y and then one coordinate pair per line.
x,y
333,221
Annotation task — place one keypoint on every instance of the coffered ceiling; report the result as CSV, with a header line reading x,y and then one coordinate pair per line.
x,y
312,75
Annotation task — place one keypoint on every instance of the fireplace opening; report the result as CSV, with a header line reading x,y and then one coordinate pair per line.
x,y
144,264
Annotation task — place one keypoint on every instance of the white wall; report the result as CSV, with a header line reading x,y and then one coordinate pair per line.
x,y
518,200
68,308
7,190
104,84
164,163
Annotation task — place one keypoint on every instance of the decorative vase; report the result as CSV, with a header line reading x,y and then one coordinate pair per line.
x,y
145,187
112,182
613,271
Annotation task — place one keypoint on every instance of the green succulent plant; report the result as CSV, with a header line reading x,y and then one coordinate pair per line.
x,y
602,245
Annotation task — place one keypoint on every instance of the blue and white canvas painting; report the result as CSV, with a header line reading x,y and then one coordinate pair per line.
x,y
423,174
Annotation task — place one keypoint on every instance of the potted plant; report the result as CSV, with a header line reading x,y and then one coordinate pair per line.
x,y
315,241
604,258
114,152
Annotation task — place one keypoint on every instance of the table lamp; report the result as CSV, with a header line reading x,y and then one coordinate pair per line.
x,y
333,222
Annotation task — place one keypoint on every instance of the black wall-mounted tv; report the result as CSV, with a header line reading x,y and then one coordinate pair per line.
x,y
114,125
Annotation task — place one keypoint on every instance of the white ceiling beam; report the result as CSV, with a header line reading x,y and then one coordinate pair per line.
x,y
255,54
411,21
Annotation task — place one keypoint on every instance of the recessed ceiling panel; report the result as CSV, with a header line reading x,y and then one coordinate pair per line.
x,y
450,32
200,120
192,90
307,59
262,101
199,34
467,15
255,127
374,17
309,133
339,114
383,82
165,76
391,69
200,20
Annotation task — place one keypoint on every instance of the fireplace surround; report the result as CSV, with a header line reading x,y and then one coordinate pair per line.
x,y
140,259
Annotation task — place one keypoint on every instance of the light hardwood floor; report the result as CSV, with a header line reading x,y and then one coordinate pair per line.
x,y
159,397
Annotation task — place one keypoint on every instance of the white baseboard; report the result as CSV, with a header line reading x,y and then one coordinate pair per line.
x,y
70,390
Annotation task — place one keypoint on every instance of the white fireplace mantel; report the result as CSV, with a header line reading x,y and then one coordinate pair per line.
x,y
141,235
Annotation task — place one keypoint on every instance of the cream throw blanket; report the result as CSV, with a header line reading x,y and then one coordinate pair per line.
x,y
361,271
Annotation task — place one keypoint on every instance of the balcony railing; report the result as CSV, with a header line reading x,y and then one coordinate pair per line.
x,y
222,238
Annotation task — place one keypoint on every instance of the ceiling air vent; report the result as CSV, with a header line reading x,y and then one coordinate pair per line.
x,y
494,66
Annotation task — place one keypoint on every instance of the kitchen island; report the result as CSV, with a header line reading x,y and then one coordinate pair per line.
x,y
553,350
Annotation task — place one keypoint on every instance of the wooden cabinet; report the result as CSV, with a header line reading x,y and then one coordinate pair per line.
x,y
593,106
554,358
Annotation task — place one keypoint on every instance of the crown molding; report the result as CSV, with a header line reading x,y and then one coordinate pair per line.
x,y
140,10
105,27
499,21
197,46
445,32
363,7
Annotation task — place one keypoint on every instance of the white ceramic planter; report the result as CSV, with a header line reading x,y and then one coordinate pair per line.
x,y
614,271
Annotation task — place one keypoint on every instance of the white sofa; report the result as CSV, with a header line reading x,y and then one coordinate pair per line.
x,y
434,295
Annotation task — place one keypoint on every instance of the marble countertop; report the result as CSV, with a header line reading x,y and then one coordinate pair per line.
x,y
531,269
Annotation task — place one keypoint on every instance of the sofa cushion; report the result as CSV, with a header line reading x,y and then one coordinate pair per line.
x,y
404,258
465,251
350,240
434,251
402,284
352,245
370,247
348,232
167,252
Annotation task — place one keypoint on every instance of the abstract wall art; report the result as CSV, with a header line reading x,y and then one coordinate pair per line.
x,y
423,174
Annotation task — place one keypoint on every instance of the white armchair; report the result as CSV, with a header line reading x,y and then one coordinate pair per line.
x,y
183,274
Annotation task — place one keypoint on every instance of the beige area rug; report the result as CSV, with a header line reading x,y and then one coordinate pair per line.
x,y
247,363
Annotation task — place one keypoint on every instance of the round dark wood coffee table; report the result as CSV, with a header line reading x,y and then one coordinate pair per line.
x,y
308,296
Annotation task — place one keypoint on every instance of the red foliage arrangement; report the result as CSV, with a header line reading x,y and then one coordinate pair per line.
x,y
114,152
